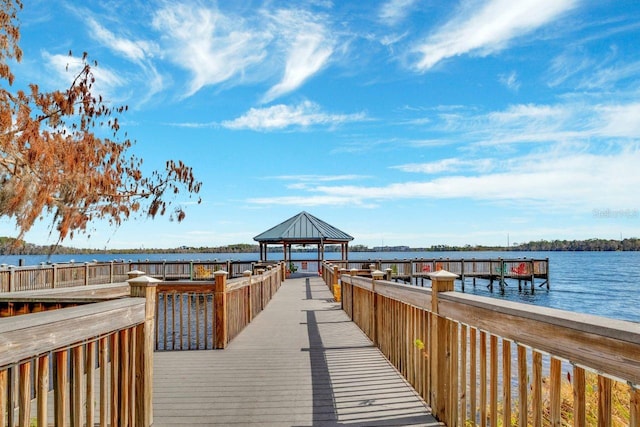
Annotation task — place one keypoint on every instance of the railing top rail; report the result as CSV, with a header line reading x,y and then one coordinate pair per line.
x,y
52,330
90,293
604,326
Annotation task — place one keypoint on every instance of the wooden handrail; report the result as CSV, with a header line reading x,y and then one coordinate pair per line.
x,y
208,314
90,273
458,351
84,357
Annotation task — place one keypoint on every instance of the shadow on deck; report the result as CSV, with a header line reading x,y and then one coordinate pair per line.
x,y
302,362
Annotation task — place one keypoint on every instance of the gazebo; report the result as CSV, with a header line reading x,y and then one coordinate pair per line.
x,y
303,229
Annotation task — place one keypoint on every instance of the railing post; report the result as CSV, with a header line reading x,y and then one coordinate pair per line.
x,y
86,274
249,305
440,348
353,273
335,286
12,278
54,279
388,273
376,275
342,271
220,304
144,287
110,271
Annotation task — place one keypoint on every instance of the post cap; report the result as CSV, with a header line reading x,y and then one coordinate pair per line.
x,y
136,272
220,273
143,280
442,274
247,273
377,274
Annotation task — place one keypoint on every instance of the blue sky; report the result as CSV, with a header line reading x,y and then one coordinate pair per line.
x,y
401,122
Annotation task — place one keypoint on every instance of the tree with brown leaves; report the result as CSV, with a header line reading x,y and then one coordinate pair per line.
x,y
52,161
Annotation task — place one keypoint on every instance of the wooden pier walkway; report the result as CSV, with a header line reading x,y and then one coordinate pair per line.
x,y
301,362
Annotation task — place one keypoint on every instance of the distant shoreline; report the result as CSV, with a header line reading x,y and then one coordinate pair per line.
x,y
9,246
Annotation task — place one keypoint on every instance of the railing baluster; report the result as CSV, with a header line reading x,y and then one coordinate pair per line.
x,y
506,382
493,400
522,386
42,389
61,387
483,378
555,397
604,401
77,388
536,380
473,369
90,369
24,393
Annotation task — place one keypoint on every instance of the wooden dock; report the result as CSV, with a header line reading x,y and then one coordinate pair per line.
x,y
301,362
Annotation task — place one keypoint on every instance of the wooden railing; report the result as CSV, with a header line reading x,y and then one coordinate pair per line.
x,y
482,361
93,362
91,273
208,314
522,269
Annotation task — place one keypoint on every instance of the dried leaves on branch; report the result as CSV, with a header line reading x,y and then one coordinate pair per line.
x,y
55,159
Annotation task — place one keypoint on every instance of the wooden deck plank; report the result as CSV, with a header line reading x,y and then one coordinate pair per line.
x,y
300,363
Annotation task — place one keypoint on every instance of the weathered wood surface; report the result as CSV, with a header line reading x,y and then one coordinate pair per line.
x,y
301,362
89,293
547,342
22,337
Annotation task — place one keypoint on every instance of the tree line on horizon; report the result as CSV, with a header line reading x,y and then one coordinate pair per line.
x,y
12,246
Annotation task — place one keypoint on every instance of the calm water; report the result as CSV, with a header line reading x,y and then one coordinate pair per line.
x,y
600,283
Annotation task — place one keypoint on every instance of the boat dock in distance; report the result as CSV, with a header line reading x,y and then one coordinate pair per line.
x,y
496,271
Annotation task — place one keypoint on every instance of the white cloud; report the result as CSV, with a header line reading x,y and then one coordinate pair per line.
x,y
563,180
510,81
319,178
139,52
619,121
322,200
133,50
212,46
65,68
283,116
309,48
488,29
394,11
449,166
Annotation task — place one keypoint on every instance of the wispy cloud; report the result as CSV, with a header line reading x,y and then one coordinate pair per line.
x,y
309,48
140,52
306,200
510,80
394,11
450,165
282,116
213,47
134,50
488,29
318,178
63,69
618,121
564,181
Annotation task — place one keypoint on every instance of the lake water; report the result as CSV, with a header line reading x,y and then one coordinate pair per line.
x,y
601,283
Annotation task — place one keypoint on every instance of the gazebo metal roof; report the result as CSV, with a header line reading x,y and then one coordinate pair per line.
x,y
303,228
